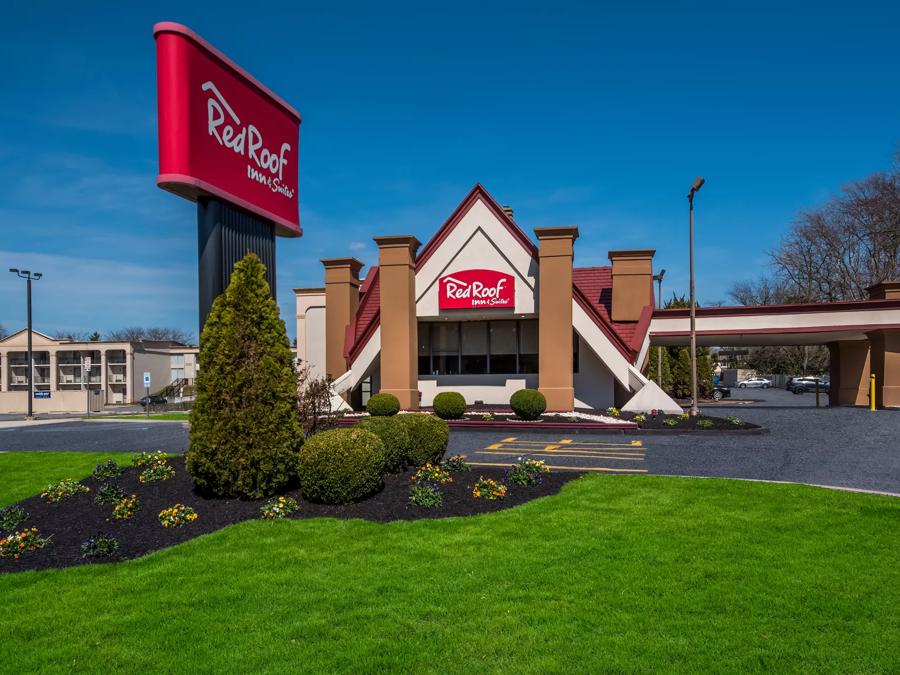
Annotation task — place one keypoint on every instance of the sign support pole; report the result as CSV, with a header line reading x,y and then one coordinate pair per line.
x,y
225,234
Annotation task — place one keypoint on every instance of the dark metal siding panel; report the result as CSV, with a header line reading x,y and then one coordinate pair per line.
x,y
225,235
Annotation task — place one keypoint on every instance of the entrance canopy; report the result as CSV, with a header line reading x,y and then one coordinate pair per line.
x,y
781,325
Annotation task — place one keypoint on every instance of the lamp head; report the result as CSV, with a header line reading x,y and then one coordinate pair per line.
x,y
698,183
24,273
38,275
13,270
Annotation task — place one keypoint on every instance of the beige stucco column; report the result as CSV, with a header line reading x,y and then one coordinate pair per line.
x,y
885,360
129,375
632,283
4,372
397,278
555,379
103,377
341,302
849,372
54,371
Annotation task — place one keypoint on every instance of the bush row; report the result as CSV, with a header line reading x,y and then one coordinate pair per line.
x,y
527,404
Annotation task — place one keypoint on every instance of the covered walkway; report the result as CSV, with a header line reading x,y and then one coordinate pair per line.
x,y
863,337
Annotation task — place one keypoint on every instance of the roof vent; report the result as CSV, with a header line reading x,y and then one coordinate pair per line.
x,y
508,210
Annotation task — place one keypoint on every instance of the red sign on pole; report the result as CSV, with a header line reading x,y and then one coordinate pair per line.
x,y
476,289
222,133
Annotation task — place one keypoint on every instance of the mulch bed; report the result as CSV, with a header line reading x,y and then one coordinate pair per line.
x,y
690,424
75,519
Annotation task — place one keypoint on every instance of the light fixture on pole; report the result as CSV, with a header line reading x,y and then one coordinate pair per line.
x,y
658,279
29,370
695,410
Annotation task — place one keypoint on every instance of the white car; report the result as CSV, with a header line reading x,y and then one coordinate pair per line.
x,y
759,382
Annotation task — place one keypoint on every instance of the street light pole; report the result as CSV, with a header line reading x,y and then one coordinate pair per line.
x,y
29,370
658,279
695,410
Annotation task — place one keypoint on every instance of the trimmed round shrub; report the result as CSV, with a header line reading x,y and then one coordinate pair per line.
x,y
449,405
394,435
428,436
341,466
383,405
528,404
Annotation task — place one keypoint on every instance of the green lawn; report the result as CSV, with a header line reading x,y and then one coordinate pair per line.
x,y
617,573
25,474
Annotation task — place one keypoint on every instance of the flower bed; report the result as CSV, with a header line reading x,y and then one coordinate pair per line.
x,y
74,521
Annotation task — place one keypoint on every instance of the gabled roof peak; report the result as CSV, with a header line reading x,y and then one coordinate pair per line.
x,y
476,193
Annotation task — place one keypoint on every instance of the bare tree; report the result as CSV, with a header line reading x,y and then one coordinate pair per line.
x,y
151,333
71,335
314,402
835,252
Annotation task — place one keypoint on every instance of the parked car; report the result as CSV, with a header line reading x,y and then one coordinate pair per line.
x,y
720,391
758,382
802,385
153,400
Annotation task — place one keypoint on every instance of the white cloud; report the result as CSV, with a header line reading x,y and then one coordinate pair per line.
x,y
95,293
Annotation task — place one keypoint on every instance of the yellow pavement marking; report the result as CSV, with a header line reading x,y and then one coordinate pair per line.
x,y
567,441
598,446
559,454
515,450
509,440
570,468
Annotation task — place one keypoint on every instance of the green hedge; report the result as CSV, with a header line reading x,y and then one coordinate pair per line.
x,y
528,404
393,433
449,405
428,437
341,466
383,405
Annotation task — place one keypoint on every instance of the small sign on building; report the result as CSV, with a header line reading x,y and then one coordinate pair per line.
x,y
42,394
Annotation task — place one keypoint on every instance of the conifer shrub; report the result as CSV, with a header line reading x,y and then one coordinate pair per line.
x,y
245,434
428,437
528,404
395,436
341,465
449,405
383,405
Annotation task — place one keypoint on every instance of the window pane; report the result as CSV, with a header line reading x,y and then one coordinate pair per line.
x,y
474,347
424,338
503,347
445,348
528,338
528,346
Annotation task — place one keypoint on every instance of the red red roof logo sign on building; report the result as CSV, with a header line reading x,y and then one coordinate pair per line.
x,y
476,289
222,133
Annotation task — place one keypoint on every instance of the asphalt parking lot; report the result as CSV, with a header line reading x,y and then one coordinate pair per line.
x,y
841,447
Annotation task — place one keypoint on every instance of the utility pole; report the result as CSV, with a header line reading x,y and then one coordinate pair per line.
x,y
658,279
29,277
695,410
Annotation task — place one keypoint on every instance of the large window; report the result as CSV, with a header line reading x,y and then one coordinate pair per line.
x,y
507,347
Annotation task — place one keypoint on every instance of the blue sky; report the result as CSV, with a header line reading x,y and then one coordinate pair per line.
x,y
595,114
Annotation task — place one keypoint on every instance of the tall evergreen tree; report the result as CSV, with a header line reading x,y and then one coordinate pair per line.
x,y
245,434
